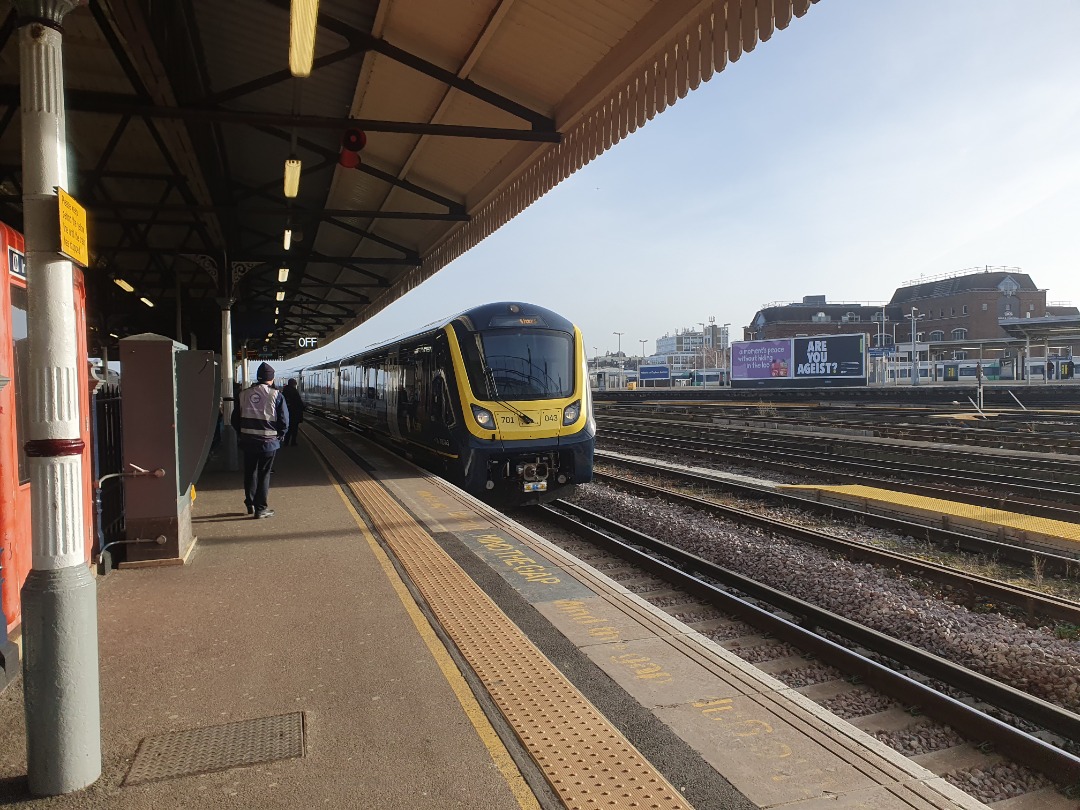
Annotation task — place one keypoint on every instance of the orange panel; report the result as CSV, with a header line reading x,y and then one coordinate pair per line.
x,y
15,542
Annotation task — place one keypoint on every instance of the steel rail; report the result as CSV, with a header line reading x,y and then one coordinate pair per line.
x,y
861,472
945,538
996,434
1033,602
1037,467
686,570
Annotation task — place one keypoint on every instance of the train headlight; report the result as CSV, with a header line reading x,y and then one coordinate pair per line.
x,y
571,413
484,418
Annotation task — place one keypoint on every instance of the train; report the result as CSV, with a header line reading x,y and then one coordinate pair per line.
x,y
15,542
495,399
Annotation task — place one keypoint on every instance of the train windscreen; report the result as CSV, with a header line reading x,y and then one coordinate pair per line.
x,y
519,365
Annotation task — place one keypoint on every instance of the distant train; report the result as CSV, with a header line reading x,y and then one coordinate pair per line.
x,y
496,400
15,544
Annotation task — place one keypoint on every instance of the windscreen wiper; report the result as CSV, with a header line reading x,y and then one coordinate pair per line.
x,y
528,420
493,389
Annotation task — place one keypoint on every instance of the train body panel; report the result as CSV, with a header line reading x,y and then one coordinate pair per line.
x,y
15,527
439,396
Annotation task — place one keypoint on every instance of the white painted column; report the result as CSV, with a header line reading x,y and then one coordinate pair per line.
x,y
228,363
63,717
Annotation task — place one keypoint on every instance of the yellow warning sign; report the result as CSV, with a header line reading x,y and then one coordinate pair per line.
x,y
73,244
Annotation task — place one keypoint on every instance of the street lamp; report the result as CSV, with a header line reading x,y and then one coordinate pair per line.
x,y
620,334
702,325
880,366
914,348
643,342
723,353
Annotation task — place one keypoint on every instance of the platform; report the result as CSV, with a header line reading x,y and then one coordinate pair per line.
x,y
1053,535
381,656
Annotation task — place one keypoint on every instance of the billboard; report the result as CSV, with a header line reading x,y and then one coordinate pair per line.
x,y
801,362
654,373
832,357
761,359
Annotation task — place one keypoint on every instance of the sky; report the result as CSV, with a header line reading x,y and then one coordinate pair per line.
x,y
867,145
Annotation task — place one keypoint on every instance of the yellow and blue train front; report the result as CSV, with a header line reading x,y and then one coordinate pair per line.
x,y
527,452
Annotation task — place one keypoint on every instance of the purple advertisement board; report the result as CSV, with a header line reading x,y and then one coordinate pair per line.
x,y
761,360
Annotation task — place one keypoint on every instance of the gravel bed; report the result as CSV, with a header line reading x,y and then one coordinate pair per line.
x,y
845,529
726,632
858,703
1031,659
763,652
808,675
921,739
996,783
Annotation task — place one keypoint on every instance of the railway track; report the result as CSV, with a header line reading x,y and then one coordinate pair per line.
x,y
806,636
1024,431
1017,494
969,587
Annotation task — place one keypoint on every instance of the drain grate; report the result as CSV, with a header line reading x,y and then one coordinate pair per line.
x,y
216,748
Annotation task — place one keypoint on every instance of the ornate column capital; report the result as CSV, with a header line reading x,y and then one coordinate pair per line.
x,y
46,12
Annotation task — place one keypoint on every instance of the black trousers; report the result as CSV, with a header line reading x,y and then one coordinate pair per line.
x,y
290,434
257,466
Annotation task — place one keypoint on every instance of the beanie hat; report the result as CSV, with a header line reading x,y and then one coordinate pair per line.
x,y
265,373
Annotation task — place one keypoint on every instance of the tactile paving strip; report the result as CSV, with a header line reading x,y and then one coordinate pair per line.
x,y
216,748
584,757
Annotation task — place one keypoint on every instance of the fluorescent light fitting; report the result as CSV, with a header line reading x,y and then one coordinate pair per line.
x,y
292,177
277,310
147,301
287,241
114,335
303,22
123,285
269,335
280,295
283,275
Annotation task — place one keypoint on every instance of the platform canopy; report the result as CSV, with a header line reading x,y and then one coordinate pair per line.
x,y
182,115
1051,327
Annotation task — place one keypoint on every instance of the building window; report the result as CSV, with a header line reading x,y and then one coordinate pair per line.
x,y
984,307
959,334
964,310
937,336
1027,314
941,314
821,317
952,312
1031,307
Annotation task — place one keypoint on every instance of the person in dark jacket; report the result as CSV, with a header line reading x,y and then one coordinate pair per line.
x,y
260,419
296,411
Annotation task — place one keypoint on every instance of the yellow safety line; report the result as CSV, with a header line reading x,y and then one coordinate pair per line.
x,y
998,517
484,730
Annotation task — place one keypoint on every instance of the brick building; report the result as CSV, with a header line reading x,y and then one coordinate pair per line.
x,y
956,314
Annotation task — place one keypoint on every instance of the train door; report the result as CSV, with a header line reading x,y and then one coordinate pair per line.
x,y
442,417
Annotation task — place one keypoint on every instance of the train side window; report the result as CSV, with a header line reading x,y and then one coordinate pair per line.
x,y
21,373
